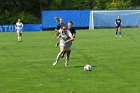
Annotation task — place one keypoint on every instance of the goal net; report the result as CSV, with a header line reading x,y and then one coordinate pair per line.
x,y
130,18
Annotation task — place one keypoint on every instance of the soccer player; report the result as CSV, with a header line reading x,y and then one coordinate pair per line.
x,y
58,27
118,26
65,44
19,26
60,23
73,32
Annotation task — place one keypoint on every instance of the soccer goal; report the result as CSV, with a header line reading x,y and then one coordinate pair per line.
x,y
130,18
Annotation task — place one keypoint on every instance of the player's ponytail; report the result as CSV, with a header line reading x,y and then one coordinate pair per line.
x,y
57,19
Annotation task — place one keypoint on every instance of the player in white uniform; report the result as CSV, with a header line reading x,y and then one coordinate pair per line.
x,y
73,32
65,44
19,26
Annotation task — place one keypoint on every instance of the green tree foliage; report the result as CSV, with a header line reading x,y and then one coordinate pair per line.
x,y
25,17
135,3
11,10
30,10
118,4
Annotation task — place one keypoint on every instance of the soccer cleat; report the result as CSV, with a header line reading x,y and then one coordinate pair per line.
x,y
55,63
116,35
120,36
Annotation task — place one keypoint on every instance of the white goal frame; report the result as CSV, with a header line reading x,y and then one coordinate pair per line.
x,y
91,18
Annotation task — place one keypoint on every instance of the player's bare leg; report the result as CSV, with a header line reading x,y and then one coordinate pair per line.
x,y
116,31
119,30
19,36
63,54
67,57
59,55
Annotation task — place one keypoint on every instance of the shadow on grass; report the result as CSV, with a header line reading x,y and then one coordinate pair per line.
x,y
78,66
73,58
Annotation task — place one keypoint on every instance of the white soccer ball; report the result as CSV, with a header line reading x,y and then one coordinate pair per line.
x,y
87,67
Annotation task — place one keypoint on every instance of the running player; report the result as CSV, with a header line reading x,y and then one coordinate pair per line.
x,y
118,26
58,27
73,32
60,23
65,44
19,26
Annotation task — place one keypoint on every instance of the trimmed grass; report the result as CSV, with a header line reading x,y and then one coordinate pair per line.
x,y
26,67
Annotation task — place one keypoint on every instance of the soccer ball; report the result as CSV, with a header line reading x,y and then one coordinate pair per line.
x,y
87,67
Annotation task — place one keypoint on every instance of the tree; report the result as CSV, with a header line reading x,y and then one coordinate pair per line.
x,y
14,9
135,3
30,10
118,4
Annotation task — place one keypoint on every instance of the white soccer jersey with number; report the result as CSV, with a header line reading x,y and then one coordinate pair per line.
x,y
19,26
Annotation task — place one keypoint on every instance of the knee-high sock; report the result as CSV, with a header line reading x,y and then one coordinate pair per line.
x,y
58,56
116,32
67,60
18,38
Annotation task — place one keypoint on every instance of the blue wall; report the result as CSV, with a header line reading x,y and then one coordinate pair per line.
x,y
102,18
80,18
26,28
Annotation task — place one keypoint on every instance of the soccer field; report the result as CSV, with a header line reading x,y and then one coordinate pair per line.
x,y
26,67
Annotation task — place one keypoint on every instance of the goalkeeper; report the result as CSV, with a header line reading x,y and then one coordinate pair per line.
x,y
118,26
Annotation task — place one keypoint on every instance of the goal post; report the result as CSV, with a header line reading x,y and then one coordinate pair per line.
x,y
91,21
130,18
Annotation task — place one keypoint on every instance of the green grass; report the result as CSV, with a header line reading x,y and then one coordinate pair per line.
x,y
26,67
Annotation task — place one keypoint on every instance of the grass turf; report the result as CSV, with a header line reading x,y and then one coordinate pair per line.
x,y
26,67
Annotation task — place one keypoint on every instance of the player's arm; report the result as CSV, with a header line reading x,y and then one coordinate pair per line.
x,y
116,23
22,25
120,21
74,34
56,30
57,34
16,26
71,37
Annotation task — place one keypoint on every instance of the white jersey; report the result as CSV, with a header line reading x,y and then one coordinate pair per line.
x,y
64,37
19,26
